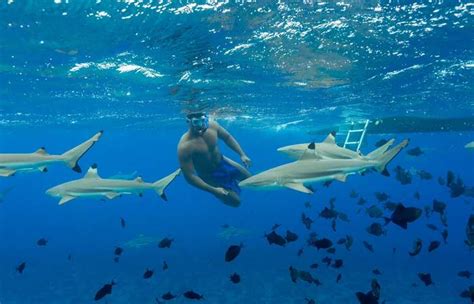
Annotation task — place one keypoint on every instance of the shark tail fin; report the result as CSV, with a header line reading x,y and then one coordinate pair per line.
x,y
161,184
72,156
380,150
386,157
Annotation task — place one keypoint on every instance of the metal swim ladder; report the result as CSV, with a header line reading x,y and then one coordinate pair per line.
x,y
351,140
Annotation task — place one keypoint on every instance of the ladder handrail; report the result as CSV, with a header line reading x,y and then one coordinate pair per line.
x,y
347,136
363,135
361,138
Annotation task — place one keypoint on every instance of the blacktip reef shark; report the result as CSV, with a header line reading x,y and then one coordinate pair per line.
x,y
311,167
470,146
40,159
92,185
142,241
329,149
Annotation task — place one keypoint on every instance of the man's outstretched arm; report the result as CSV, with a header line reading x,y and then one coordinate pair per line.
x,y
233,144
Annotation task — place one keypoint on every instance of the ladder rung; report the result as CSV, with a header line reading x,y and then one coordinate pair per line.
x,y
360,132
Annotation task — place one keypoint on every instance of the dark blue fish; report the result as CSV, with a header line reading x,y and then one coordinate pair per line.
x,y
42,242
21,267
148,274
104,290
168,296
415,151
433,246
235,278
165,243
232,252
417,245
118,251
404,215
425,278
275,238
193,295
291,236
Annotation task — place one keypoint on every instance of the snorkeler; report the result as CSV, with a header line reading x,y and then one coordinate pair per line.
x,y
202,163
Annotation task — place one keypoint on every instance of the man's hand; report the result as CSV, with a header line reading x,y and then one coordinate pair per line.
x,y
246,160
220,192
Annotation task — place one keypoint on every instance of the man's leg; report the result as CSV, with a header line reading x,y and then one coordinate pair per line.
x,y
244,173
232,199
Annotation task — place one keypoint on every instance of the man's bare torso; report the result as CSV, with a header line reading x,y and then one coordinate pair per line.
x,y
203,151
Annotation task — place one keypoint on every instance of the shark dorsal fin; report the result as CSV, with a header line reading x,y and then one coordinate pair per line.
x,y
330,139
310,153
139,179
42,151
92,172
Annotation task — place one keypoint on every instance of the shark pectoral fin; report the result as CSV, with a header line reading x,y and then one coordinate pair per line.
x,y
298,187
66,199
112,195
6,172
310,153
43,169
340,177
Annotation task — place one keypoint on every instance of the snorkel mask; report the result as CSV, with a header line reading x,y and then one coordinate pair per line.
x,y
199,122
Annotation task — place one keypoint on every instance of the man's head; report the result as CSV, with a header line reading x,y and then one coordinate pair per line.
x,y
198,122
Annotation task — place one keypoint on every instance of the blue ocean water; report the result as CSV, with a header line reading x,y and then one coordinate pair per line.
x,y
271,73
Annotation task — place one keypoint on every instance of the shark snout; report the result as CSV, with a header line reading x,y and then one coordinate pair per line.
x,y
244,183
294,151
52,192
252,181
286,149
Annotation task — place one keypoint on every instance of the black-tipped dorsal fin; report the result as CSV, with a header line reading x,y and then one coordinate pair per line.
x,y
92,172
41,150
330,139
